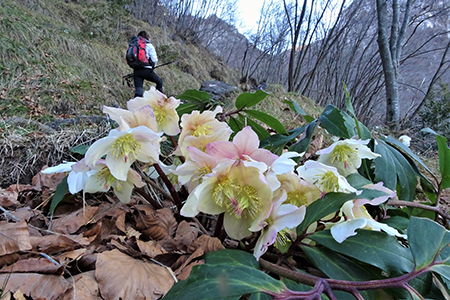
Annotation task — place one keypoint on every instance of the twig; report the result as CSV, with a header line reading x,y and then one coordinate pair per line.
x,y
421,206
147,197
173,193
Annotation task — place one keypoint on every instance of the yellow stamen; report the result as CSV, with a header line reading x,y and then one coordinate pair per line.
x,y
296,198
343,153
328,181
160,113
282,238
126,147
204,129
238,200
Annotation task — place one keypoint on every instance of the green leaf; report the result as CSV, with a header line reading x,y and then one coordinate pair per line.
x,y
426,239
194,95
225,274
260,296
442,269
348,101
61,190
339,267
260,131
304,141
235,124
397,222
268,120
341,124
331,203
295,107
187,108
384,165
444,161
277,140
357,181
372,247
80,149
250,99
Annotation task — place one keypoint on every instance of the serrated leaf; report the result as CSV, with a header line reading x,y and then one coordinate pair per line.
x,y
61,190
194,95
267,119
372,247
304,141
426,239
249,99
295,107
225,274
331,203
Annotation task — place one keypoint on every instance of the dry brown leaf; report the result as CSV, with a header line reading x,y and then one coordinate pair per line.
x,y
49,287
14,237
150,248
48,180
39,265
67,257
187,260
58,243
158,225
207,243
71,223
121,276
86,287
186,271
185,235
8,199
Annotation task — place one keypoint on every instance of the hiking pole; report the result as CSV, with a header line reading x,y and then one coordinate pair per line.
x,y
129,77
164,64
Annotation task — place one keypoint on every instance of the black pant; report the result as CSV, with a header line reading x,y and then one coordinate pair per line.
x,y
148,74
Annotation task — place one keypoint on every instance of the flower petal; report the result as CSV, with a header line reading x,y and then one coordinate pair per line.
x,y
342,231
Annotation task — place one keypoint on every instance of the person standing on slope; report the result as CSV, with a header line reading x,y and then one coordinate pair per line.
x,y
147,72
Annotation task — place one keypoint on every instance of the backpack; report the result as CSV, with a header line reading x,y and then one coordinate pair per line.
x,y
135,56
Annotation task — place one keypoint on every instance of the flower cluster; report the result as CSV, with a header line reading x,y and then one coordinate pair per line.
x,y
256,190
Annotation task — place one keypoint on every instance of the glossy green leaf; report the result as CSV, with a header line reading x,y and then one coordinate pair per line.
x,y
225,274
444,161
442,269
295,107
348,102
278,140
384,165
372,247
235,124
267,119
357,181
187,108
194,95
426,239
331,203
341,124
260,131
339,267
250,99
80,149
260,296
61,190
397,222
304,141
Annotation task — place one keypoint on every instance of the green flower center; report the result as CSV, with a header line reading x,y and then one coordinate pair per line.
x,y
238,200
126,147
199,173
282,238
343,153
105,177
160,113
328,181
204,129
296,198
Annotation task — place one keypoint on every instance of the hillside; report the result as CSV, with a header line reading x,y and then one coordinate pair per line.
x,y
67,58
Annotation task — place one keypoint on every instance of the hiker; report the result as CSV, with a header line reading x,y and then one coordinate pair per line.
x,y
147,71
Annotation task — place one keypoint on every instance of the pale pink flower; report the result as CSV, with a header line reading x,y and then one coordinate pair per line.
x,y
126,119
164,109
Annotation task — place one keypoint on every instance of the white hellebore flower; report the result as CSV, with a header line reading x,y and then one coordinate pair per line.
x,y
79,172
102,180
281,219
346,155
406,140
326,178
357,217
122,148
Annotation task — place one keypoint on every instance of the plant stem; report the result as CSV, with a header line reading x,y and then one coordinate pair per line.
x,y
421,206
169,185
147,197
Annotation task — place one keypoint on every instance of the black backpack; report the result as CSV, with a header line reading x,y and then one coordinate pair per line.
x,y
135,56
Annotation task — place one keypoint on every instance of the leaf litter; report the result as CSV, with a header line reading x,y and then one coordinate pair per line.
x,y
100,249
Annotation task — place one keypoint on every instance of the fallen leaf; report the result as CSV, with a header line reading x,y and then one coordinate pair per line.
x,y
14,237
8,199
150,248
207,243
48,180
39,265
71,223
120,276
158,225
185,235
86,287
49,287
57,243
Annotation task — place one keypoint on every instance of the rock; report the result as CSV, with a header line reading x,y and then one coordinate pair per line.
x,y
217,89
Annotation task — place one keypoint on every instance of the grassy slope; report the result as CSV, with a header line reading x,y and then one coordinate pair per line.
x,y
62,58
